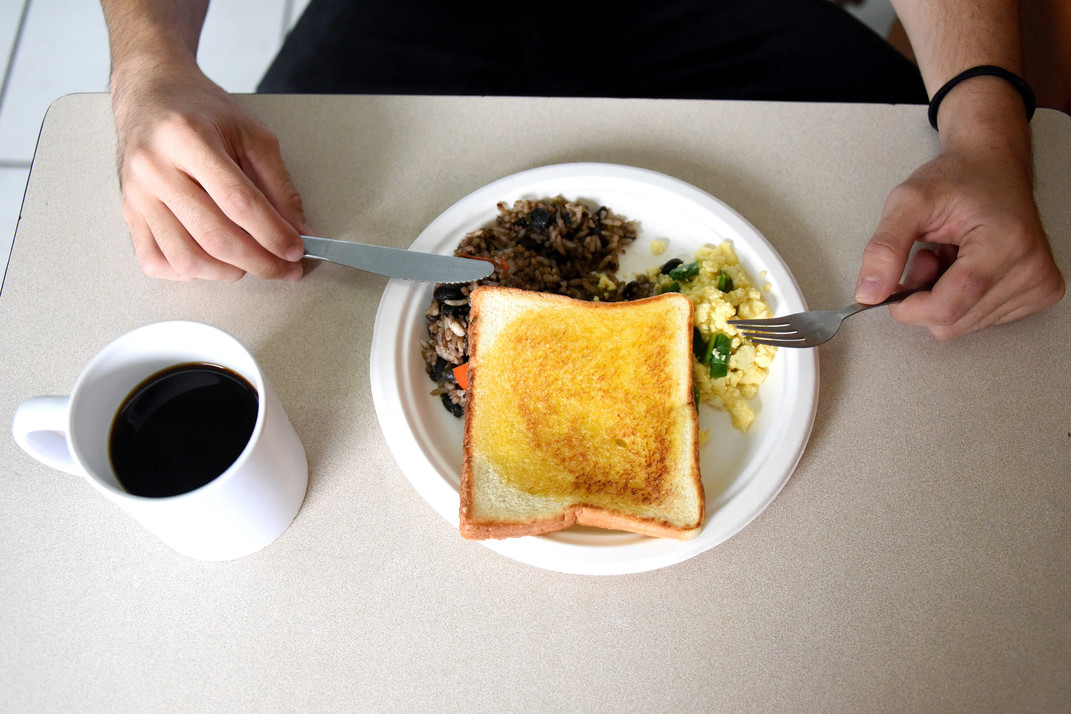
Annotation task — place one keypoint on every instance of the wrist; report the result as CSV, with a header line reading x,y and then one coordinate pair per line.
x,y
150,65
986,114
151,36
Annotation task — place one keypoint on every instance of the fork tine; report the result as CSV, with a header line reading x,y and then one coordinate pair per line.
x,y
788,340
765,322
768,329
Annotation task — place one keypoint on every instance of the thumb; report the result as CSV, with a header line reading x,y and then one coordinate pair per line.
x,y
885,256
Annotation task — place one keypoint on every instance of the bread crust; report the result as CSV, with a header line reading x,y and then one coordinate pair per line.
x,y
578,512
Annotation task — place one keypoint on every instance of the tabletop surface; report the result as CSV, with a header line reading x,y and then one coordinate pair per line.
x,y
919,559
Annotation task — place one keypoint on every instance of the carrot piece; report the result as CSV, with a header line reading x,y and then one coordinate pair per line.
x,y
461,374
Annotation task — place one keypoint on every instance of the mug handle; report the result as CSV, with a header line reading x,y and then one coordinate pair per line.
x,y
40,428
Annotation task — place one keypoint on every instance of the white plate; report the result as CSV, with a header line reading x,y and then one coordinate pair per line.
x,y
742,473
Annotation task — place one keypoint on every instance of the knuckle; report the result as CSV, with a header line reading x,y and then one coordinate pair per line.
x,y
944,333
1051,288
292,197
882,249
155,266
973,286
1058,289
945,315
274,270
184,264
177,127
267,140
216,242
139,163
238,201
907,195
230,274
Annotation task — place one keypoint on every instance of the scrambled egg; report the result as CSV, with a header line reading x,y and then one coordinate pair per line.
x,y
749,363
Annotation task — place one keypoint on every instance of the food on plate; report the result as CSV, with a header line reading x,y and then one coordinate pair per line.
x,y
728,368
570,248
550,245
579,413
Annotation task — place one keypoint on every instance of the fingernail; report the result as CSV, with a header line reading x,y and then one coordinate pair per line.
x,y
295,254
294,274
868,290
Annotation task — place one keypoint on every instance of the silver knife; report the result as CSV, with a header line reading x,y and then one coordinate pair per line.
x,y
398,263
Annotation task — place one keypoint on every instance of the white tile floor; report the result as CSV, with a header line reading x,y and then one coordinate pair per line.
x,y
54,47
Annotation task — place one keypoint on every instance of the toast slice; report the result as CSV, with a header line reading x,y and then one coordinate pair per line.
x,y
579,413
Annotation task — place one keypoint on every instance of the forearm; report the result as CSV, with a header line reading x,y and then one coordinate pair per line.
x,y
148,34
949,36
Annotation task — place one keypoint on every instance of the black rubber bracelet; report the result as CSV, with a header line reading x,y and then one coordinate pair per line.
x,y
1016,81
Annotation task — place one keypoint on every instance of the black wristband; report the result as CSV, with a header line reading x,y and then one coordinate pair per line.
x,y
991,70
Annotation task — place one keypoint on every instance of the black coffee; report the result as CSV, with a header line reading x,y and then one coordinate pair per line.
x,y
181,428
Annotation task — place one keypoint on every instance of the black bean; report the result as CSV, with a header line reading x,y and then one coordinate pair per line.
x,y
670,265
439,369
448,292
540,218
455,409
631,291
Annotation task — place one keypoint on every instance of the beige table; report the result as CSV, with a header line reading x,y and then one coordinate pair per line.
x,y
918,560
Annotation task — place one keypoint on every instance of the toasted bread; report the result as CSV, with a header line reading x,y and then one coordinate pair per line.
x,y
579,413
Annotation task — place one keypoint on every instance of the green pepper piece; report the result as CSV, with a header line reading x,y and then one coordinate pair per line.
x,y
725,283
719,359
685,272
719,368
674,287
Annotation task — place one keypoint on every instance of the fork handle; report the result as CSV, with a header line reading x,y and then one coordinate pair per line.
x,y
895,297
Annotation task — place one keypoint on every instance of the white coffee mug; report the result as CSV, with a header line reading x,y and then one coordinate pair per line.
x,y
238,512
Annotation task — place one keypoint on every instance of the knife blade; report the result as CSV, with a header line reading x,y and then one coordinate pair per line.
x,y
397,263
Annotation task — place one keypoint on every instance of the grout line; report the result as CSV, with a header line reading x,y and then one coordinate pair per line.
x,y
14,49
14,164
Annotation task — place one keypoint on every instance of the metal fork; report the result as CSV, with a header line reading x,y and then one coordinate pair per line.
x,y
807,329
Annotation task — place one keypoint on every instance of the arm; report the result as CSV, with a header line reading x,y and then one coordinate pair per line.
x,y
975,200
205,191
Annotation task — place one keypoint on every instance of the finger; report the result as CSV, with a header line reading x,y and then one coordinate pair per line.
x,y
219,237
956,304
886,254
1011,300
150,257
181,219
978,318
183,253
244,204
264,166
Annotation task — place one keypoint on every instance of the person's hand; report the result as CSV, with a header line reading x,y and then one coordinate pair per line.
x,y
205,191
989,255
